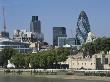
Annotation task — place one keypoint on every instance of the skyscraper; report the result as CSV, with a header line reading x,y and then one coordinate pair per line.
x,y
58,32
83,27
35,28
35,25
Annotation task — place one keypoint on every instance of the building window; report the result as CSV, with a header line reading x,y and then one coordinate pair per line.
x,y
91,63
82,63
78,63
73,63
106,60
85,63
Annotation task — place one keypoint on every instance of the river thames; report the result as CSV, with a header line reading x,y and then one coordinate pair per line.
x,y
37,79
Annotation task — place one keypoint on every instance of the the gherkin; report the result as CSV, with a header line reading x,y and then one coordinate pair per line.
x,y
83,27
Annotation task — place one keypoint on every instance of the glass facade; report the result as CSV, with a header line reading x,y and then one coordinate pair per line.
x,y
58,32
64,40
35,25
21,47
35,28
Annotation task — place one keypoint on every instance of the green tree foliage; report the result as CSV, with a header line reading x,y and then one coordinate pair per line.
x,y
49,59
100,44
43,59
18,60
6,54
88,49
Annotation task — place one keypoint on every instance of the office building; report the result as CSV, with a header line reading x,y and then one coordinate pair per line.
x,y
62,41
66,41
83,28
35,25
35,29
58,32
20,46
25,36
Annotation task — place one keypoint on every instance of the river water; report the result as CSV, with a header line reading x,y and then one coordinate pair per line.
x,y
36,79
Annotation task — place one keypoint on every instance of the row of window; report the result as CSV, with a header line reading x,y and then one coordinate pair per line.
x,y
14,43
14,46
84,63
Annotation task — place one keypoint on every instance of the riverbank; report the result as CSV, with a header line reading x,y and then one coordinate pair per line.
x,y
73,77
66,77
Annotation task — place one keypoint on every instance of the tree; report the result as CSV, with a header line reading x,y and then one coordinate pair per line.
x,y
7,53
18,60
88,49
49,58
100,44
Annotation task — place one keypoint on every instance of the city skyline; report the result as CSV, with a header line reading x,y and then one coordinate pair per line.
x,y
56,13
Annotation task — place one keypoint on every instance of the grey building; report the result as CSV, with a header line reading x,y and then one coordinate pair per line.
x,y
71,41
25,36
5,34
35,28
58,32
64,40
35,25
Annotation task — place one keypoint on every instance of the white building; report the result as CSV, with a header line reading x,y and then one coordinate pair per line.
x,y
98,61
20,46
25,36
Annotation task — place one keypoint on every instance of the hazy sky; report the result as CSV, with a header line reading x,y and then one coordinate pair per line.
x,y
56,13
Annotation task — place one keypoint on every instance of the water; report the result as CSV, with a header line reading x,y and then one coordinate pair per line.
x,y
36,79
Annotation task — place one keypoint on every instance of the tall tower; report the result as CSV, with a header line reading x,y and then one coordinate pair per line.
x,y
58,32
83,27
35,28
35,25
4,27
4,33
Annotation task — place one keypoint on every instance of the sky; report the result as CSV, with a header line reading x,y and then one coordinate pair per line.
x,y
56,13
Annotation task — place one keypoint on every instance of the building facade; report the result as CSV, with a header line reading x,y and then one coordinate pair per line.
x,y
20,46
83,28
58,32
35,25
98,61
25,36
35,28
64,40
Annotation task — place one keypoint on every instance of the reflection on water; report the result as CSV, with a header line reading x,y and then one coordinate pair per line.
x,y
36,79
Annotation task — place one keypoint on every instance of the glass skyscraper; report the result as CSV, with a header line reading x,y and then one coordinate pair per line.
x,y
58,32
35,28
35,25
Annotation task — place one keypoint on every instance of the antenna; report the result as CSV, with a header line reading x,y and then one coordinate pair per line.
x,y
4,27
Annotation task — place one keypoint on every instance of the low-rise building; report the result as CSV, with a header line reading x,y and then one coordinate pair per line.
x,y
96,62
20,46
25,36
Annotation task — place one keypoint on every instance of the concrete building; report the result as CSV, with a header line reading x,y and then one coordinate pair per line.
x,y
58,32
97,62
34,39
107,62
29,37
